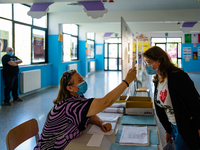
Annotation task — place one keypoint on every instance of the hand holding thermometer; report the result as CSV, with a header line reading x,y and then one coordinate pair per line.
x,y
133,65
128,93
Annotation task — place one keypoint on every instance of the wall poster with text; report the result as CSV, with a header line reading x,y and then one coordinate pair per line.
x,y
38,47
4,36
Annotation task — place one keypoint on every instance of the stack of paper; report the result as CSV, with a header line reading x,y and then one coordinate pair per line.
x,y
118,105
115,108
136,136
109,117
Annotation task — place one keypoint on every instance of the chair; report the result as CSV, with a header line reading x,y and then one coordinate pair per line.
x,y
138,88
21,133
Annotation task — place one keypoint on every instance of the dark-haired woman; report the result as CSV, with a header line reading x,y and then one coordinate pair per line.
x,y
176,99
72,112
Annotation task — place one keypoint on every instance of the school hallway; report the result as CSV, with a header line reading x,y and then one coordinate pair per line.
x,y
38,104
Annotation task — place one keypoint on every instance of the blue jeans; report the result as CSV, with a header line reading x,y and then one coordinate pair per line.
x,y
178,140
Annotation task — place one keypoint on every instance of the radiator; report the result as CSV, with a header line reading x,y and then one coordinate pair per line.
x,y
91,66
72,67
30,80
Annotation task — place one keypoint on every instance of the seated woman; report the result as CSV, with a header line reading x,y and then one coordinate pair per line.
x,y
72,112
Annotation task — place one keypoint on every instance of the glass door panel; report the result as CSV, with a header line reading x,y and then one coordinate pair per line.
x,y
120,56
112,64
172,49
112,56
112,50
161,45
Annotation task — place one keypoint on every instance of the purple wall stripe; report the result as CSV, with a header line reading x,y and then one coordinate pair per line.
x,y
188,24
108,34
40,6
92,5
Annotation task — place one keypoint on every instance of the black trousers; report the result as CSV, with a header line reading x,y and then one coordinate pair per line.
x,y
11,84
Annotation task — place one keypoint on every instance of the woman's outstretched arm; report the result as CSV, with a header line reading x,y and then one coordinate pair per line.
x,y
99,104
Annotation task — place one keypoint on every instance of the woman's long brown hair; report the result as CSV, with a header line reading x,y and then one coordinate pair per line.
x,y
157,54
63,93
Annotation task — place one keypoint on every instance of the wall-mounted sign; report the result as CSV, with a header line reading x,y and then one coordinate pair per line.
x,y
187,52
195,55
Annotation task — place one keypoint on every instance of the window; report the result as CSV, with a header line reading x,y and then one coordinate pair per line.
x,y
42,22
70,29
113,40
172,46
90,45
6,11
20,13
112,54
23,43
5,36
29,36
70,42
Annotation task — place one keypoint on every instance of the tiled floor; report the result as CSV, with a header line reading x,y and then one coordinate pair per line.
x,y
37,105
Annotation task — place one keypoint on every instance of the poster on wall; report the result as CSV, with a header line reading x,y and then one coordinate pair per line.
x,y
141,37
198,38
99,50
194,38
142,47
187,52
4,36
38,47
188,38
198,51
195,55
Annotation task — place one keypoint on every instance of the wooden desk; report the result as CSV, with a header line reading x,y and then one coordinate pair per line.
x,y
81,142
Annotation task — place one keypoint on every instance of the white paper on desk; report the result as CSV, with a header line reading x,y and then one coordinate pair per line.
x,y
134,135
103,114
118,105
97,130
110,118
95,140
113,110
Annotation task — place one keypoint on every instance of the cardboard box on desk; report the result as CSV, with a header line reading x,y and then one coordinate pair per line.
x,y
139,108
136,98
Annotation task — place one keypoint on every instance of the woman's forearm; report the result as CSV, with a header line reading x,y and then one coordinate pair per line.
x,y
100,104
113,95
96,120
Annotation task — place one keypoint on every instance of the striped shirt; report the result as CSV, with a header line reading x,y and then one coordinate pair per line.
x,y
65,121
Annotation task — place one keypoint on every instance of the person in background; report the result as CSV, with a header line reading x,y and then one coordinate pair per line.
x,y
176,100
10,75
72,112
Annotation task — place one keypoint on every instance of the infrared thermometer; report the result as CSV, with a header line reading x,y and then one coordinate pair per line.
x,y
134,63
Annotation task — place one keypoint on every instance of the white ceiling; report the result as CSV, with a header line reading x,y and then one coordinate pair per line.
x,y
131,6
118,5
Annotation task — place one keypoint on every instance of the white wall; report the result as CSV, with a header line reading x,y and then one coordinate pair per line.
x,y
154,20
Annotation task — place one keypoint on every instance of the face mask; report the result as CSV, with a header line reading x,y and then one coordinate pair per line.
x,y
150,70
82,88
10,53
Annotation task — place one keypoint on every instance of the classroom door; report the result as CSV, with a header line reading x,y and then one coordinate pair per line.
x,y
112,59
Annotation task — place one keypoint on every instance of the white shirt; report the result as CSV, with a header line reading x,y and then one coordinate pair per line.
x,y
164,100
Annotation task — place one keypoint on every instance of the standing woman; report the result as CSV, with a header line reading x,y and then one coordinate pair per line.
x,y
176,100
72,112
